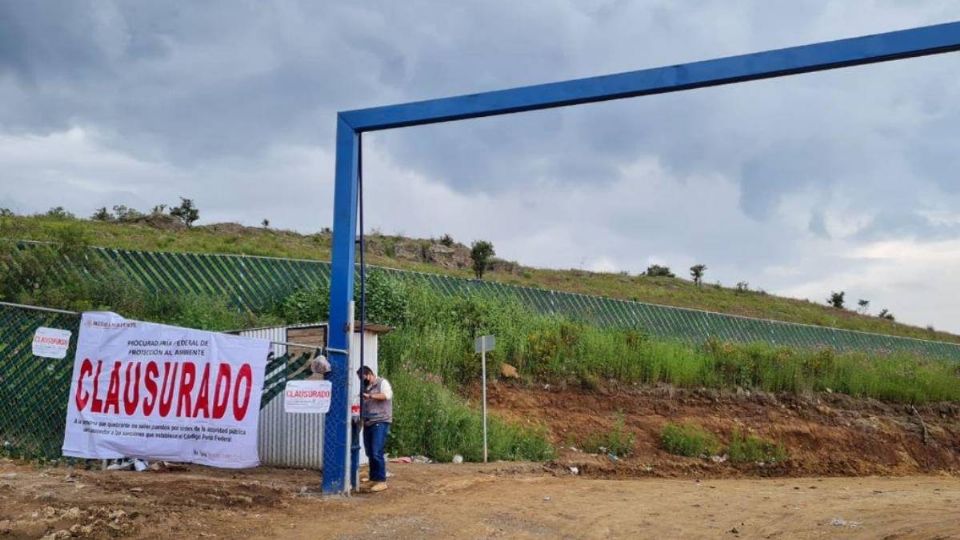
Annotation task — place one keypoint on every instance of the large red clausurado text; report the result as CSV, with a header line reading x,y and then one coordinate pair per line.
x,y
165,389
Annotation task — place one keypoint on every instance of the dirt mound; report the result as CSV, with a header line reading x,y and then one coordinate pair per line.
x,y
230,228
824,434
55,503
164,222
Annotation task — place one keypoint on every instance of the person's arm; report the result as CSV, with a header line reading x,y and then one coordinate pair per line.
x,y
385,393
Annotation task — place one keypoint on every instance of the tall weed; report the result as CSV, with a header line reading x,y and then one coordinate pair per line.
x,y
688,440
618,441
750,449
430,419
439,331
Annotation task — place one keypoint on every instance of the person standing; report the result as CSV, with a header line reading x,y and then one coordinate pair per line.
x,y
377,410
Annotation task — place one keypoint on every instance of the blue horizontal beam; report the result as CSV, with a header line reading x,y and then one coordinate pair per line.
x,y
748,67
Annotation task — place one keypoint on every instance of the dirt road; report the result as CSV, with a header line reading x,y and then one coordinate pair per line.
x,y
468,501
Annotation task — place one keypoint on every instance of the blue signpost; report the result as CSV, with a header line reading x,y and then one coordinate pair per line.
x,y
734,69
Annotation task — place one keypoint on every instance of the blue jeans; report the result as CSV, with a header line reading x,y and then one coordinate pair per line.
x,y
375,440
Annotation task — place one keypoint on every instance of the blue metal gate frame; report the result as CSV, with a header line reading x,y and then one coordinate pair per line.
x,y
842,53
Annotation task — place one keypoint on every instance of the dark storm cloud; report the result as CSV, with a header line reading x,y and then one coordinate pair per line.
x,y
42,41
233,104
193,82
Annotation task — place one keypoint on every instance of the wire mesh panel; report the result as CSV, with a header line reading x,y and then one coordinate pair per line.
x,y
34,390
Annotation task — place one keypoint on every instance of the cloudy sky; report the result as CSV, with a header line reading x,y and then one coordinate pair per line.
x,y
845,180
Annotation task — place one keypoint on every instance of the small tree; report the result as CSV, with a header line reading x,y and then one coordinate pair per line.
x,y
655,270
885,314
863,305
265,223
696,272
58,212
159,209
446,240
481,252
125,214
743,286
186,212
102,214
836,299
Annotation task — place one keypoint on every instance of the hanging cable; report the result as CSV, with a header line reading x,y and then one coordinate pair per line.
x,y
363,262
356,424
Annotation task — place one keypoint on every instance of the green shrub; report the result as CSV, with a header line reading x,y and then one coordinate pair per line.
x,y
430,419
688,440
390,246
58,212
386,298
207,313
751,449
655,270
617,441
438,331
386,301
310,304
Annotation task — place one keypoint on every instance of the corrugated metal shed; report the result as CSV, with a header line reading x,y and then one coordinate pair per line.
x,y
296,440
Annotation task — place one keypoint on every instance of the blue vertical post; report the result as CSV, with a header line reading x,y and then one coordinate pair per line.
x,y
336,442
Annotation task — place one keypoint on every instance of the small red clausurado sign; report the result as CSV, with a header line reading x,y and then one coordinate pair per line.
x,y
155,391
307,396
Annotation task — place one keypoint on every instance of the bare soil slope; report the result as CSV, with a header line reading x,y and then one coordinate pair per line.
x,y
824,434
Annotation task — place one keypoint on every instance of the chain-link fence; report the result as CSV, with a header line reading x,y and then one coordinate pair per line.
x,y
34,390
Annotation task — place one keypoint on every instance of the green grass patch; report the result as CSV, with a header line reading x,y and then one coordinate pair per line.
x,y
750,449
617,441
688,440
430,419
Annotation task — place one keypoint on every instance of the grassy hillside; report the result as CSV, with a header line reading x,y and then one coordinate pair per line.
x,y
429,255
429,356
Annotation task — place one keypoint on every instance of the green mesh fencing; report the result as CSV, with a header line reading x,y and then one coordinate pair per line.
x,y
283,368
258,282
255,282
34,390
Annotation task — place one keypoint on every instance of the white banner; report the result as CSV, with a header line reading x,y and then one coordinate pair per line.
x,y
153,391
307,396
